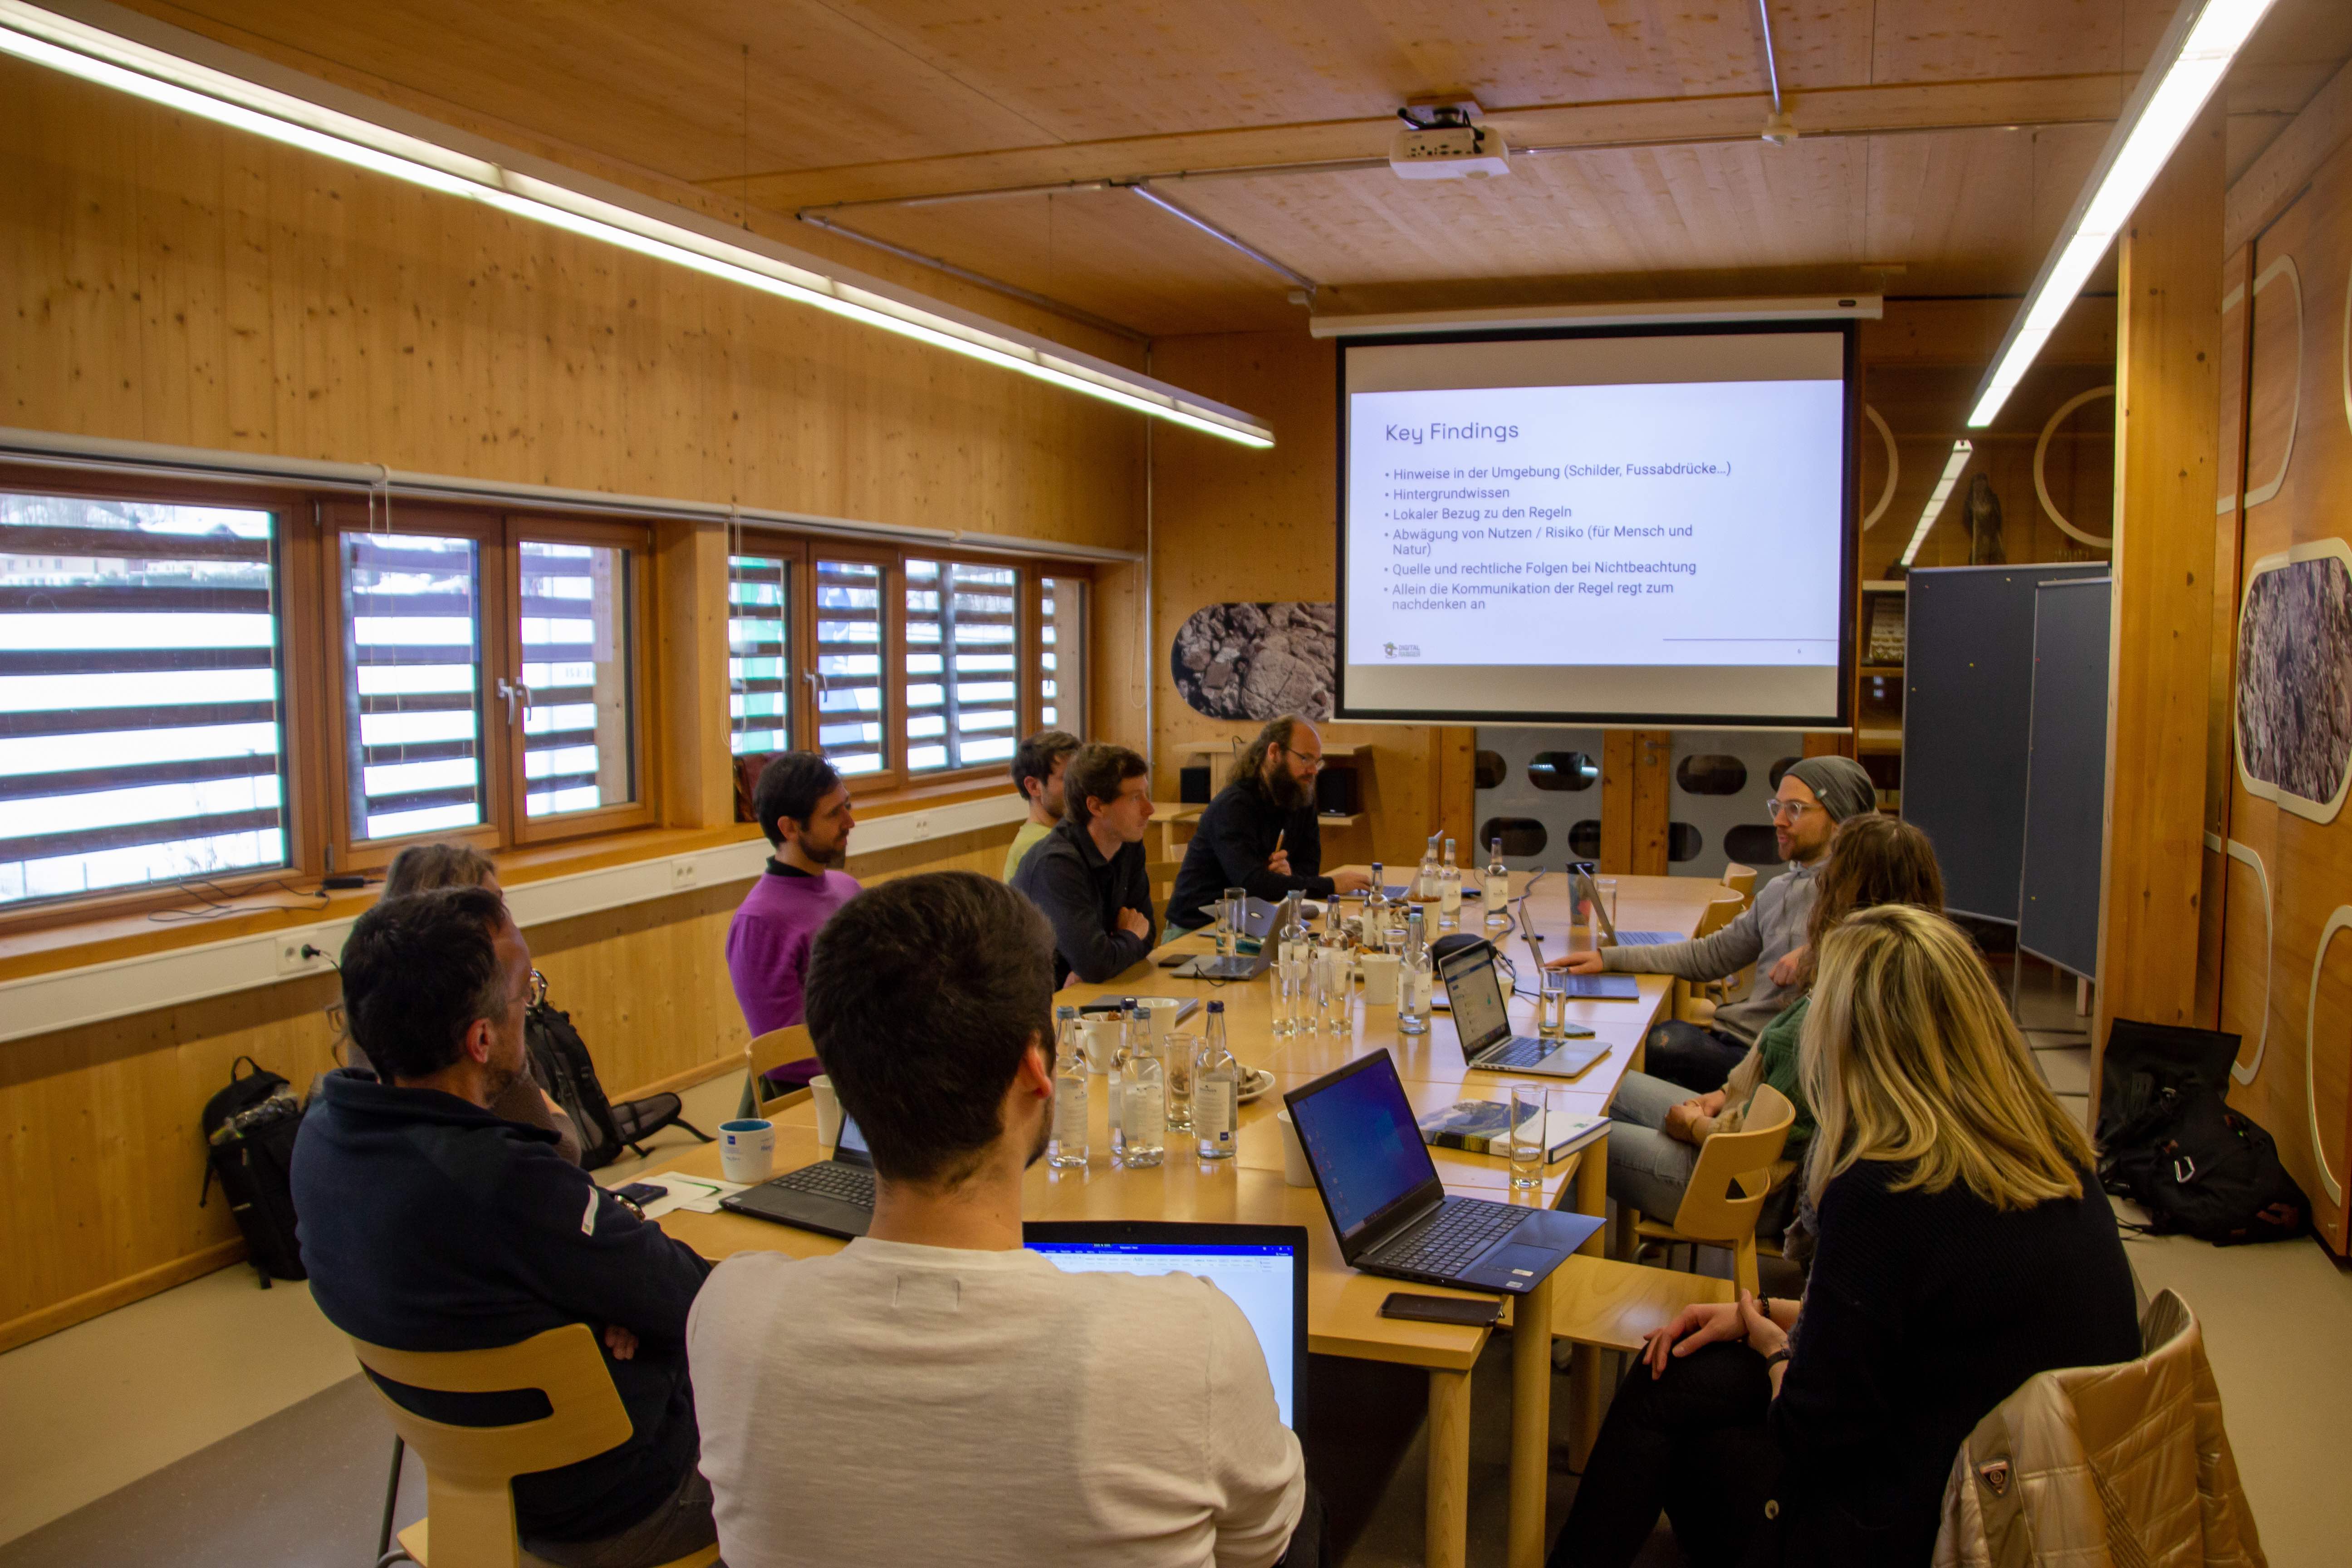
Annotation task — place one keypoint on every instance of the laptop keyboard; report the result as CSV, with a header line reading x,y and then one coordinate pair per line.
x,y
1519,1052
1447,1241
830,1179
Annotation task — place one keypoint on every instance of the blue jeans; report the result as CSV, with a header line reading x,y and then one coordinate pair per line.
x,y
1648,1169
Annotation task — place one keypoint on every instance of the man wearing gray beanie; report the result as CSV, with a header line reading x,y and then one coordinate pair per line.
x,y
1815,797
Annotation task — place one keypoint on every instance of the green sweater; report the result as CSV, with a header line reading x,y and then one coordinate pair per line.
x,y
1775,1048
1022,841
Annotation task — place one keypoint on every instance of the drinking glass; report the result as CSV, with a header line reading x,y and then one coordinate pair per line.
x,y
1289,991
1605,890
1334,990
1178,1055
1524,1139
1551,1006
1229,926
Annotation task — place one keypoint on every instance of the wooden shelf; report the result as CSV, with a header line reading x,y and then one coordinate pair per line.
x,y
1884,585
1888,671
1354,819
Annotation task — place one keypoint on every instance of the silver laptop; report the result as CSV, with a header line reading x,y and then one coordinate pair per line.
x,y
1580,886
1483,1024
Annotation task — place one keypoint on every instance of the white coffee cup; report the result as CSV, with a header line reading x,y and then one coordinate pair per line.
x,y
747,1149
1294,1170
1379,979
828,1111
1098,1037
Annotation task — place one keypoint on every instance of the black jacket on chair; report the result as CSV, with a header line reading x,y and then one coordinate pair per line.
x,y
428,1224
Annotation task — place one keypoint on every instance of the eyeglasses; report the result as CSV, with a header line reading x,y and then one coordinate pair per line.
x,y
1778,808
537,988
1313,760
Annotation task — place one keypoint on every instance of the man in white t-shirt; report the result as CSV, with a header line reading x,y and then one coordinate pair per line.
x,y
932,1394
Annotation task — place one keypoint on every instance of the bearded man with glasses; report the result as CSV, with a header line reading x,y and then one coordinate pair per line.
x,y
1815,797
1261,832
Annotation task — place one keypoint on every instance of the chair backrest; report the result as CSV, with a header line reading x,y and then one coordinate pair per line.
x,y
1718,913
1163,882
790,1043
1734,1174
468,1468
1742,879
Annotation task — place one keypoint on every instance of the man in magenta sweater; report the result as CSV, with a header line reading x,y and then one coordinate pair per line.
x,y
804,808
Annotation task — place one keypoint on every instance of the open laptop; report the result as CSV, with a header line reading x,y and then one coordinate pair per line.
x,y
1261,1268
832,1197
1579,885
1482,1023
1392,1214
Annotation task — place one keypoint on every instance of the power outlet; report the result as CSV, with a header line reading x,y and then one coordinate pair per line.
x,y
305,953
685,873
920,827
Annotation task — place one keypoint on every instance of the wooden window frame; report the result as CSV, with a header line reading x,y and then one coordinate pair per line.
x,y
636,540
486,529
299,658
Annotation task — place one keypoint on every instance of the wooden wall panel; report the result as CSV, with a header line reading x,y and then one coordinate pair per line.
x,y
2272,963
2168,391
2219,873
99,1149
1232,524
173,281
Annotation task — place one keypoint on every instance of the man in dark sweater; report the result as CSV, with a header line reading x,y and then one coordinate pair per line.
x,y
1261,832
1087,875
428,1224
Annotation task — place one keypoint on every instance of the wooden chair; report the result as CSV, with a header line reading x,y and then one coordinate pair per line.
x,y
1742,879
1693,1003
791,1042
1162,874
468,1470
1727,1188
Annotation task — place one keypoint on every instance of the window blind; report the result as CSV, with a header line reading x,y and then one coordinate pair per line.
x,y
759,654
962,676
850,709
141,729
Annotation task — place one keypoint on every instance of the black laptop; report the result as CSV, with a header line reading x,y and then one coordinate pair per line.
x,y
1392,1214
832,1197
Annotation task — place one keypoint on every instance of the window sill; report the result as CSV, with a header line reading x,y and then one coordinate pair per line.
x,y
122,964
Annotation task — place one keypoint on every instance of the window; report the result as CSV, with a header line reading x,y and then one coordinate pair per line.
x,y
963,665
850,711
1062,655
759,654
142,735
489,679
413,726
574,633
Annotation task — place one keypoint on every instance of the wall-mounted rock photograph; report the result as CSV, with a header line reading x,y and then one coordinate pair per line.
x,y
1254,661
2294,680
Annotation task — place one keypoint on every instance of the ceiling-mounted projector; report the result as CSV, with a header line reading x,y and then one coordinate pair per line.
x,y
1443,145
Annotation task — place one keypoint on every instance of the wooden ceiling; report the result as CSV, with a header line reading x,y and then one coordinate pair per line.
x,y
1947,137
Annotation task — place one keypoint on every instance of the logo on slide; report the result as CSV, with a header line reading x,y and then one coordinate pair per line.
x,y
1401,649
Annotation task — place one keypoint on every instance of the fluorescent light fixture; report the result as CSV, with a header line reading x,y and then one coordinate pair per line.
x,y
1939,500
2181,75
76,48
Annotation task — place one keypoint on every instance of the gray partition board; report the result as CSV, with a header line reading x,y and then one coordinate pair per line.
x,y
2066,777
1967,680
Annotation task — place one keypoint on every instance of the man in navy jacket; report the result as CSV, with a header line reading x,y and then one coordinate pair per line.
x,y
428,1224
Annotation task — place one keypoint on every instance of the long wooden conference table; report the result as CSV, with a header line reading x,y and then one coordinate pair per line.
x,y
1343,1306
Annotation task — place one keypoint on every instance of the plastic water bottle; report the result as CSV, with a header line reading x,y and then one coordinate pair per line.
x,y
1069,1146
1216,1092
1449,891
1415,981
1498,886
1146,1118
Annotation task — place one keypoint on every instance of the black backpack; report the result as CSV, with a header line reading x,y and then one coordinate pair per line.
x,y
2169,1141
560,1060
249,1129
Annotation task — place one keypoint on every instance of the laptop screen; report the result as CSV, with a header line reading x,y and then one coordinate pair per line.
x,y
1359,1133
852,1145
1474,996
1261,1279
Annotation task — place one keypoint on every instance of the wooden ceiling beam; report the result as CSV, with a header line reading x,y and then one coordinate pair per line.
x,y
1891,109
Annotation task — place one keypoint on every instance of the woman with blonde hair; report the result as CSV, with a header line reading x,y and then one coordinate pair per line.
x,y
1964,1247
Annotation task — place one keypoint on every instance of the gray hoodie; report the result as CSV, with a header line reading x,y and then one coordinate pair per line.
x,y
1761,935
